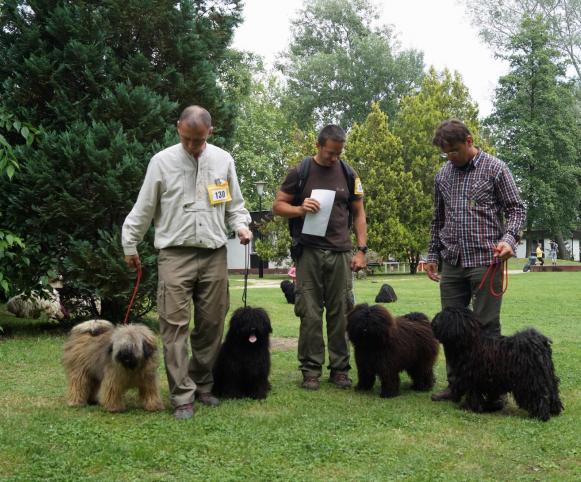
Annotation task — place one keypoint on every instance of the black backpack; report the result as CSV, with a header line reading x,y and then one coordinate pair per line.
x,y
295,224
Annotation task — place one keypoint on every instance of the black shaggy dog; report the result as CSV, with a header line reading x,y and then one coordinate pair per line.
x,y
488,367
385,346
386,294
288,288
243,364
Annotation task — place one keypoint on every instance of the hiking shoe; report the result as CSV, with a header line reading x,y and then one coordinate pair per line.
x,y
340,380
311,383
184,412
206,398
444,395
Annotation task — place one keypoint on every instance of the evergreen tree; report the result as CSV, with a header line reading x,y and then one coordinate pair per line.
x,y
538,133
392,195
442,96
105,81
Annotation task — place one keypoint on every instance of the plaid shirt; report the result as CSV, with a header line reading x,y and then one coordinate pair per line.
x,y
468,207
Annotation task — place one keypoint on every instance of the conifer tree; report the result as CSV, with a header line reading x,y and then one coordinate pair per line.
x,y
105,82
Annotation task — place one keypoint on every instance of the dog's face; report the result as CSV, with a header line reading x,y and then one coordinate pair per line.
x,y
456,327
369,325
250,325
131,345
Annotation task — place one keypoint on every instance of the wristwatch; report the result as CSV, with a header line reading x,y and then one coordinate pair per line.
x,y
363,249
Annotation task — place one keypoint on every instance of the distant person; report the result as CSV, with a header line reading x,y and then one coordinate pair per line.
x,y
325,263
553,252
191,193
478,215
539,254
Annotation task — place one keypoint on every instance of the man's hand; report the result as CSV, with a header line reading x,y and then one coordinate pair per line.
x,y
432,271
310,205
245,235
503,251
133,261
359,261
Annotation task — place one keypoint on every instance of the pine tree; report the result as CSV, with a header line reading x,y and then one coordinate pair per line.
x,y
538,131
105,81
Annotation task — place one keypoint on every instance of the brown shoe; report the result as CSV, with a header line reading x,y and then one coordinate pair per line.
x,y
206,398
340,380
310,383
184,412
444,395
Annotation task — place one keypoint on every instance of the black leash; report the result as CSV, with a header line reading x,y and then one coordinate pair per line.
x,y
246,269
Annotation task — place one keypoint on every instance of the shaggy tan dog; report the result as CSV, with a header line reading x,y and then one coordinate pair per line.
x,y
103,361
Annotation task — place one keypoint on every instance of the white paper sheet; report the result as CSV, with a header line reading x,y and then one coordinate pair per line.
x,y
316,223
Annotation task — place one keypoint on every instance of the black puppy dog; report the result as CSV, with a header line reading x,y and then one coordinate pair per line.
x,y
386,294
243,364
487,367
385,346
288,288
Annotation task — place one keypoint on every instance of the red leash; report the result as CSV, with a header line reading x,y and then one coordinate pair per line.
x,y
137,281
491,271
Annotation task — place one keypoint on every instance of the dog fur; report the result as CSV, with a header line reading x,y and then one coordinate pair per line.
x,y
35,305
288,288
386,294
385,346
488,367
243,364
103,361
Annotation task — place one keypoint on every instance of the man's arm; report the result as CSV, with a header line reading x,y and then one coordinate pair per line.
x,y
237,216
434,246
514,211
138,220
359,260
283,206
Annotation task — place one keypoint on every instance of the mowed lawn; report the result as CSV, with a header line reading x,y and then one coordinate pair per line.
x,y
295,434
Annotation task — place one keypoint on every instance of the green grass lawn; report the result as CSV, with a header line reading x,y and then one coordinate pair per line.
x,y
294,434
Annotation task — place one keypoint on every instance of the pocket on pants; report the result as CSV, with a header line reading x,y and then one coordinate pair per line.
x,y
161,309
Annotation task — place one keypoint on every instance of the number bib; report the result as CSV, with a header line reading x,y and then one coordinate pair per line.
x,y
219,193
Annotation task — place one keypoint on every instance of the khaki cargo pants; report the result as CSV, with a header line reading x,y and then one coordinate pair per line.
x,y
323,281
187,275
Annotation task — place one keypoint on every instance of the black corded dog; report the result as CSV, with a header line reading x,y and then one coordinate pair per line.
x,y
488,367
385,346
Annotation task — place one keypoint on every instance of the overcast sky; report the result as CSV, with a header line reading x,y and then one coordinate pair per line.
x,y
440,28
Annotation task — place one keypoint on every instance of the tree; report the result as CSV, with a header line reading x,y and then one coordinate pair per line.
x,y
339,63
442,96
391,192
537,130
499,21
11,131
105,81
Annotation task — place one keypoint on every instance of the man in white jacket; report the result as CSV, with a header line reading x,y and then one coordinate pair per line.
x,y
191,193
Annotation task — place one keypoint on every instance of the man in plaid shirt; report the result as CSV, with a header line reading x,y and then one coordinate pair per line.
x,y
478,214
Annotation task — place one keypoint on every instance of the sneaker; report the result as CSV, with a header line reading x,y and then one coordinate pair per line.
x,y
206,398
444,395
340,380
311,383
184,412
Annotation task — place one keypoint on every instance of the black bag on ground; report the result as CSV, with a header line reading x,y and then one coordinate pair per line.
x,y
386,295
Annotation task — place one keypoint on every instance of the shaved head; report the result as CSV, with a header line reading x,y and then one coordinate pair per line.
x,y
194,115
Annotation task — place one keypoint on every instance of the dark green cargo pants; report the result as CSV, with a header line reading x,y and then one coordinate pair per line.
x,y
323,281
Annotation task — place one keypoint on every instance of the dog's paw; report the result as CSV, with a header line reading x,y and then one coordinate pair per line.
x,y
154,406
